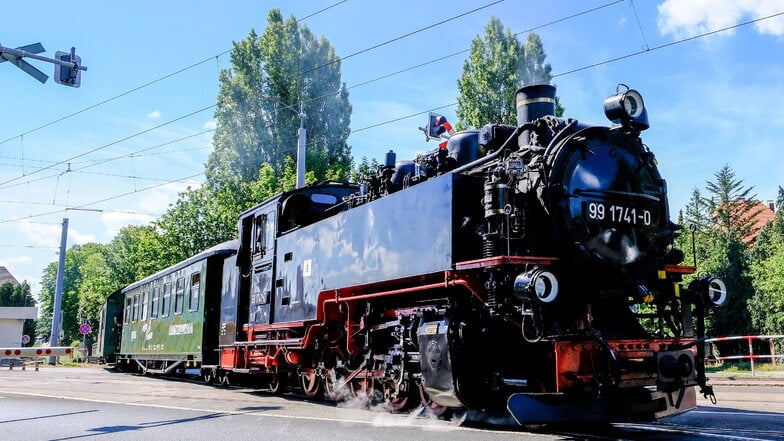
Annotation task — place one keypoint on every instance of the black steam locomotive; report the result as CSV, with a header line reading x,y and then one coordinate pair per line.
x,y
528,268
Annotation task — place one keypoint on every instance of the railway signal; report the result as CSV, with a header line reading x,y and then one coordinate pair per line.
x,y
68,66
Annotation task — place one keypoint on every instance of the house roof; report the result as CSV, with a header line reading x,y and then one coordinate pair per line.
x,y
764,213
6,276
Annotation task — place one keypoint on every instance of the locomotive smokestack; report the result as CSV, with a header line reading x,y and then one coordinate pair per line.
x,y
534,102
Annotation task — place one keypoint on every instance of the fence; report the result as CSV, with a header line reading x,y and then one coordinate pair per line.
x,y
751,356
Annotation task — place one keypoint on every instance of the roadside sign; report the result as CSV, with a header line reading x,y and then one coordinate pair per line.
x,y
25,339
84,328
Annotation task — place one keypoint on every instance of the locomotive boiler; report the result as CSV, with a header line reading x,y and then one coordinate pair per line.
x,y
528,269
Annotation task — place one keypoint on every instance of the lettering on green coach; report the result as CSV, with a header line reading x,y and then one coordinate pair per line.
x,y
185,328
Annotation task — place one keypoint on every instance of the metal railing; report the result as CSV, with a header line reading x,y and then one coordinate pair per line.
x,y
751,356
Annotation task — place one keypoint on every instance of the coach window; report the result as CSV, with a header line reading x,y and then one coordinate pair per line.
x,y
179,295
156,298
127,312
145,303
135,307
166,306
193,301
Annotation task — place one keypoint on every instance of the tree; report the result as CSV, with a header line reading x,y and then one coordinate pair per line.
x,y
767,305
134,253
257,121
258,113
720,221
498,65
76,258
201,218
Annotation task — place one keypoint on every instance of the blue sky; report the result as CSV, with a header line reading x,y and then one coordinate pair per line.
x,y
712,100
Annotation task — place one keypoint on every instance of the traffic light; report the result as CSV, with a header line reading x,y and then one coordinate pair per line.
x,y
68,76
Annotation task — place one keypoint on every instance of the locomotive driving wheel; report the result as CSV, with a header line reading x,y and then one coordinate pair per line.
x,y
396,397
311,384
365,386
277,383
333,386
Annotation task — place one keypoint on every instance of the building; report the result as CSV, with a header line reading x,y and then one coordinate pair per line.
x,y
12,320
763,214
6,276
12,317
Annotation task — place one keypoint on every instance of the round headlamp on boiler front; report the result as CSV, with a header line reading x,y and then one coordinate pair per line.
x,y
627,108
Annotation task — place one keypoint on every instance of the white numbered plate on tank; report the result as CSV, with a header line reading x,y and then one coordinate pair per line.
x,y
606,212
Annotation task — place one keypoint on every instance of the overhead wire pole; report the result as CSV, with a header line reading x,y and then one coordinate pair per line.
x,y
301,142
54,338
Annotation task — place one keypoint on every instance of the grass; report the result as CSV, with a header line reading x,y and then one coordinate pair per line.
x,y
745,367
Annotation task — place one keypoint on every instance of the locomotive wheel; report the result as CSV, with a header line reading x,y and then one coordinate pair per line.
x,y
311,384
224,379
397,401
333,386
366,388
277,383
208,376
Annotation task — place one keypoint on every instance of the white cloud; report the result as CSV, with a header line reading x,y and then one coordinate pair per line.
x,y
115,221
689,18
158,200
48,235
210,125
11,261
154,114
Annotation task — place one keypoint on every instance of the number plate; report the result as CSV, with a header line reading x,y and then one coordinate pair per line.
x,y
605,212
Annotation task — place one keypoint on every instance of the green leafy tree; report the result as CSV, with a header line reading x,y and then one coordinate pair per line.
x,y
767,305
198,220
497,66
134,253
719,222
76,258
256,136
259,114
13,294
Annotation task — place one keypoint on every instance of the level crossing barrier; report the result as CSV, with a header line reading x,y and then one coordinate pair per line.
x,y
751,356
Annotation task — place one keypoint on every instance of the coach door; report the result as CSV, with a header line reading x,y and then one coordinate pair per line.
x,y
263,249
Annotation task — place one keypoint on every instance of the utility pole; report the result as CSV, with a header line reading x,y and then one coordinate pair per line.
x,y
54,339
301,141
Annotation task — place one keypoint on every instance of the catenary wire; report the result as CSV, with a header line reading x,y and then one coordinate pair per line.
x,y
147,84
563,73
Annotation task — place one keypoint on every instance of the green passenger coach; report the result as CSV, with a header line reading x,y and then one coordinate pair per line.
x,y
169,320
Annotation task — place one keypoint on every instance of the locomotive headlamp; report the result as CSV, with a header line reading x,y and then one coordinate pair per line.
x,y
716,291
536,284
712,288
627,108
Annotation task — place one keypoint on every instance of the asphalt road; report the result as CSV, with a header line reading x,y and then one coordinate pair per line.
x,y
91,403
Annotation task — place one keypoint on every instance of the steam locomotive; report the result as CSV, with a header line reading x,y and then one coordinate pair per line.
x,y
527,269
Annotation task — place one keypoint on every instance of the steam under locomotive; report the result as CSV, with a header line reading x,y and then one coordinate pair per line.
x,y
528,269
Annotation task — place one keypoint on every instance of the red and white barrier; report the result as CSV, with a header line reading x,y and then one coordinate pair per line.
x,y
751,355
56,351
